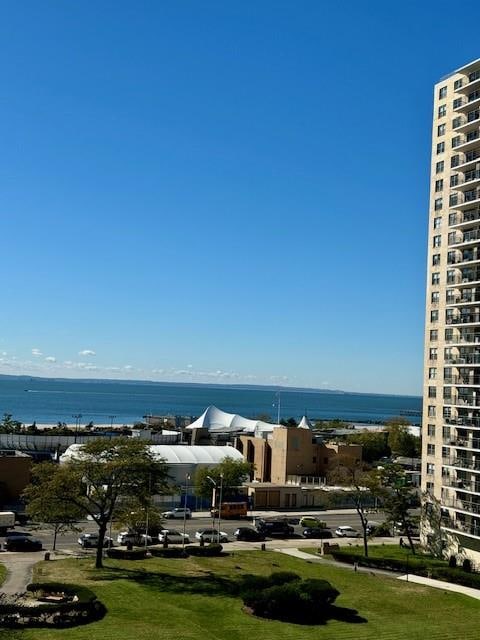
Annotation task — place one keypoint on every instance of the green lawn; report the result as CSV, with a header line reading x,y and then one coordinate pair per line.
x,y
393,551
189,599
3,573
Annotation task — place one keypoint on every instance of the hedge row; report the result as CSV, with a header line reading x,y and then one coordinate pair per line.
x,y
208,550
416,565
127,554
212,549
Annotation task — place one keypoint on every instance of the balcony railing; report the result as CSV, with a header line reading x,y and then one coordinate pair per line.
x,y
462,421
464,319
464,505
464,401
467,236
461,380
470,215
464,485
464,298
472,529
467,256
461,463
467,338
469,443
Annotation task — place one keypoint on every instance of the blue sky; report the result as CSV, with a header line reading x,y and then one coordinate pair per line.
x,y
219,191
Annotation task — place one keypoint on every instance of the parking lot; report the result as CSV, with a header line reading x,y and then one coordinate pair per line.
x,y
333,519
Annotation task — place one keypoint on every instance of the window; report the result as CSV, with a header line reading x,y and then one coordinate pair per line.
x,y
452,237
437,223
440,147
432,411
456,141
454,181
442,93
432,392
438,185
455,161
435,297
452,218
475,75
436,277
438,204
431,430
441,129
442,110
453,199
457,103
448,335
433,335
432,373
434,315
436,259
433,353
430,449
456,122
430,468
437,241
457,84
430,487
440,166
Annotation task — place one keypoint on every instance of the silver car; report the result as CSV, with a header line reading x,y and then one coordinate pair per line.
x,y
211,535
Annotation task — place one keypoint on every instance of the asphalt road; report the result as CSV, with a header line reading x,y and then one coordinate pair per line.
x,y
68,541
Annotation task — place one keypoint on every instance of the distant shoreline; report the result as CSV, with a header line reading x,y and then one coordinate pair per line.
x,y
203,385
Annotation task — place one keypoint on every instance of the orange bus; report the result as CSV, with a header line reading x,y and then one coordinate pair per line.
x,y
230,510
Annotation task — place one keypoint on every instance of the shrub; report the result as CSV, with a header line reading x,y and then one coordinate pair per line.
x,y
212,549
452,562
40,589
467,565
126,554
169,552
282,577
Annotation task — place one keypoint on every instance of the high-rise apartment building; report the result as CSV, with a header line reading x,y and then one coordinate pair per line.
x,y
451,411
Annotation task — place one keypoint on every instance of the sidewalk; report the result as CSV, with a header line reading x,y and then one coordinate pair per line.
x,y
19,570
427,582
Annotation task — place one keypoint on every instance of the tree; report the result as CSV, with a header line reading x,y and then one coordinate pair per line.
x,y
348,472
235,473
102,474
396,494
374,445
9,425
291,422
400,440
46,505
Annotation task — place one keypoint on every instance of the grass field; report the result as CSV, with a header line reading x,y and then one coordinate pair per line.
x,y
175,599
392,551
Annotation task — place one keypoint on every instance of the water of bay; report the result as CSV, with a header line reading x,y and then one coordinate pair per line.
x,y
50,401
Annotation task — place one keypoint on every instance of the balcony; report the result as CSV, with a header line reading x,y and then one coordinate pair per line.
x,y
467,122
462,463
461,421
471,84
467,443
469,158
464,104
463,505
465,199
468,338
456,525
462,380
464,401
469,140
468,236
470,215
463,485
463,299
470,318
464,358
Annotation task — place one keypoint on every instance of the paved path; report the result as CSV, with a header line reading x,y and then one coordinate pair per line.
x,y
19,570
428,582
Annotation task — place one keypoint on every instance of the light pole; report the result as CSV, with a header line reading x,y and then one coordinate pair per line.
x,y
220,505
112,418
78,417
187,478
214,496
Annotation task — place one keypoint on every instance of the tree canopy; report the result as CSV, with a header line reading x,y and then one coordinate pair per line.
x,y
99,477
235,473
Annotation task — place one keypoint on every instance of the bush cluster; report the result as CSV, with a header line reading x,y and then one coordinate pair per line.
x,y
126,554
168,552
285,596
84,609
209,550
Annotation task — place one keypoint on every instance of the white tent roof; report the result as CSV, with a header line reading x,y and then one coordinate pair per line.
x,y
177,453
215,419
305,423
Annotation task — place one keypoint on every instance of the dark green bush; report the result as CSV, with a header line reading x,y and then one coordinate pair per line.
x,y
169,552
209,550
320,591
125,554
467,565
282,577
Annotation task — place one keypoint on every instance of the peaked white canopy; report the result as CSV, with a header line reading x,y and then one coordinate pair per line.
x,y
215,419
305,423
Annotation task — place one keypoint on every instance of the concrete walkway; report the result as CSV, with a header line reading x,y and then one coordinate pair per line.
x,y
19,570
427,582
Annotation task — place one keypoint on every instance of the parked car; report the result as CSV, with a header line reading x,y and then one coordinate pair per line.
x,y
312,522
16,534
211,535
247,534
312,532
178,512
279,528
347,532
23,543
129,537
90,541
173,537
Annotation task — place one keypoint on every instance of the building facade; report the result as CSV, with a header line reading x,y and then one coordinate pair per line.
x,y
451,411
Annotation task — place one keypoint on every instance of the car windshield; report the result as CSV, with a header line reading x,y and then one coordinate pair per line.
x,y
171,532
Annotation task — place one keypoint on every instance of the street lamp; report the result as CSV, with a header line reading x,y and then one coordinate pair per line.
x,y
187,478
220,505
112,418
78,417
214,496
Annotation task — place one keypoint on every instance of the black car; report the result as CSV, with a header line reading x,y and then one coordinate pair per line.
x,y
279,528
247,534
311,532
23,543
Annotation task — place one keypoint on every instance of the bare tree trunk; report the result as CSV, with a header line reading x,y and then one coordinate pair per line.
x,y
55,531
102,529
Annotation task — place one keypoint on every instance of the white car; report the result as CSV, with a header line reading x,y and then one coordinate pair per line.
x,y
173,537
90,541
178,512
126,537
347,532
211,535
